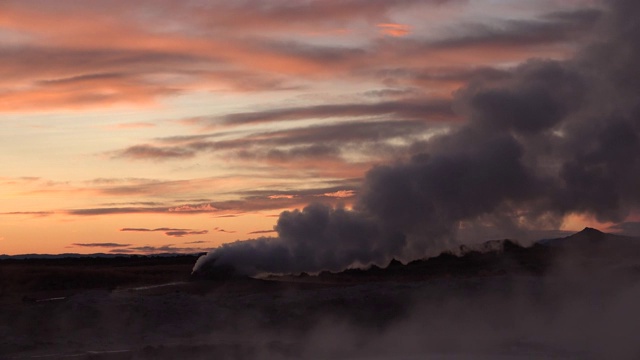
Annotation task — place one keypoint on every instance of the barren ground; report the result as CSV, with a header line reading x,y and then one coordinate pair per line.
x,y
56,310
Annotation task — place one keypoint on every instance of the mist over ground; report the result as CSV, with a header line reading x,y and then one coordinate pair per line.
x,y
539,141
576,310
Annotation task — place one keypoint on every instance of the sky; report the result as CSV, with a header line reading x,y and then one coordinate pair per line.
x,y
178,126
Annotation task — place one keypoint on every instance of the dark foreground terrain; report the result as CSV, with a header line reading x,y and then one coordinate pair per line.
x,y
571,298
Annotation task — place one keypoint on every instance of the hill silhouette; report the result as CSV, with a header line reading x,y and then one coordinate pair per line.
x,y
589,247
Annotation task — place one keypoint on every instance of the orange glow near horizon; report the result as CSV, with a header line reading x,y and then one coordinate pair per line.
x,y
101,234
577,222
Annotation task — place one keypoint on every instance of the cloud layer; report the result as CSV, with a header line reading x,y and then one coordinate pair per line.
x,y
237,108
169,231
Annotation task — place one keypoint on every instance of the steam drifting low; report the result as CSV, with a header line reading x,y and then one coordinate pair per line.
x,y
540,141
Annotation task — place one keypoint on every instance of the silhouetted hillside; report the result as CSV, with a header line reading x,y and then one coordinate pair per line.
x,y
589,247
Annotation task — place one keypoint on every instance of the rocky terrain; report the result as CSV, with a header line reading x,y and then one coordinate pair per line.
x,y
568,298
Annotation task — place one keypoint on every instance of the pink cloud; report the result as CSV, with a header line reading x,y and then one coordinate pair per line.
x,y
283,196
394,30
340,194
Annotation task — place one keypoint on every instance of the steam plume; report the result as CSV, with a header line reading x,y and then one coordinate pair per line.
x,y
541,141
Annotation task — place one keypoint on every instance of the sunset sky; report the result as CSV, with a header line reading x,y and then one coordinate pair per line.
x,y
176,126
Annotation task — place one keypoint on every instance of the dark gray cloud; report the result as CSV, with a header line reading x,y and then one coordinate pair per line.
x,y
534,98
169,231
144,187
384,121
541,141
303,144
34,213
297,153
155,152
149,249
549,29
104,245
259,232
342,133
181,233
385,93
319,54
117,210
406,110
424,77
250,200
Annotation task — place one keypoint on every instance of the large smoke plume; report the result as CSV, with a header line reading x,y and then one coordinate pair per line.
x,y
540,141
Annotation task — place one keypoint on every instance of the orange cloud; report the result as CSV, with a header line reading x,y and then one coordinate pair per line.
x,y
107,55
340,194
395,30
281,196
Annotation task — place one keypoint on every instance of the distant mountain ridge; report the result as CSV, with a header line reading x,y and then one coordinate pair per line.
x,y
95,255
587,234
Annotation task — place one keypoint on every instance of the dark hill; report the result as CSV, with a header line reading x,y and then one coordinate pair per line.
x,y
597,249
589,248
587,237
502,257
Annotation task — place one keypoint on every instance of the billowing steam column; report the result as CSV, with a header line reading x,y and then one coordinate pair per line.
x,y
207,269
314,239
